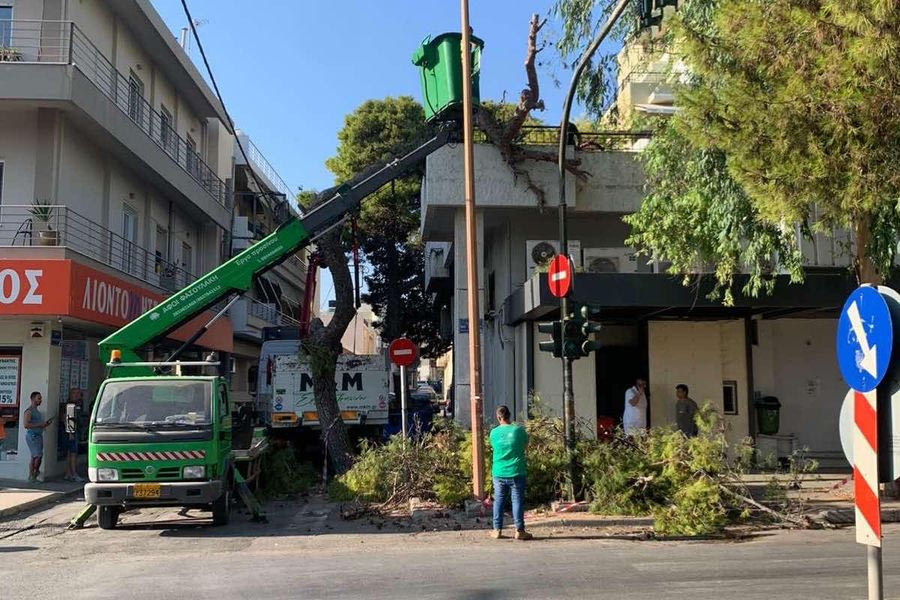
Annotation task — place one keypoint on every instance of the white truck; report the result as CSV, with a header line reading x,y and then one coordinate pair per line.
x,y
362,384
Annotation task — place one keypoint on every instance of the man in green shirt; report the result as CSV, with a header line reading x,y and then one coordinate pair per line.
x,y
508,442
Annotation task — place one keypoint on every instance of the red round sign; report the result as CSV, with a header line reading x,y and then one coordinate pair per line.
x,y
559,276
403,352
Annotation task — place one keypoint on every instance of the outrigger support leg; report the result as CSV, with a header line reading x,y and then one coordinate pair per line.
x,y
83,515
249,500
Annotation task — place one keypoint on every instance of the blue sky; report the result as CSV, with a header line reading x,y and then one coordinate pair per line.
x,y
290,70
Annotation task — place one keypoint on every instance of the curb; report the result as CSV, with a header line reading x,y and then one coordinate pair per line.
x,y
50,498
847,516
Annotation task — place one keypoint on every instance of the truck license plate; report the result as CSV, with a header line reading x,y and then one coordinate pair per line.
x,y
147,490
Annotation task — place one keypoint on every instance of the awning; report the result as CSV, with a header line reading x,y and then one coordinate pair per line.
x,y
632,296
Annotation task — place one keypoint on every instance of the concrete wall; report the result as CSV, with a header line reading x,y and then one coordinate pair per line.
x,y
794,361
548,383
18,147
700,355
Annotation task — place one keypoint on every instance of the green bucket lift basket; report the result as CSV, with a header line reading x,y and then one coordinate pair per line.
x,y
440,68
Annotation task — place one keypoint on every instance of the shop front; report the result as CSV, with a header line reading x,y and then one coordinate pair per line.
x,y
53,313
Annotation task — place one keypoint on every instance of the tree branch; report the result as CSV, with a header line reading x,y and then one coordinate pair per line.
x,y
530,97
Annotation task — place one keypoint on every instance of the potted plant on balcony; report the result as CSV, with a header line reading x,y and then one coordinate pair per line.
x,y
10,54
41,215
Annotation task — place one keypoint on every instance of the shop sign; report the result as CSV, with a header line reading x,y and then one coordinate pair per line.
x,y
34,287
9,379
103,299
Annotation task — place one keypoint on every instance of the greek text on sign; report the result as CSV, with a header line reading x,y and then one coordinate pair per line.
x,y
9,380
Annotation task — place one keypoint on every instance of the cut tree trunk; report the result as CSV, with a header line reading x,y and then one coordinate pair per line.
x,y
864,266
323,346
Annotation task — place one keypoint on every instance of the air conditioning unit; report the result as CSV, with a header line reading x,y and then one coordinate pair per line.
x,y
539,253
610,260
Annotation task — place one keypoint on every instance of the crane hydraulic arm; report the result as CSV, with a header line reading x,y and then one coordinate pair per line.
x,y
237,274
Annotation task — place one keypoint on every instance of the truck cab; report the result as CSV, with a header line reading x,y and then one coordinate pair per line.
x,y
160,441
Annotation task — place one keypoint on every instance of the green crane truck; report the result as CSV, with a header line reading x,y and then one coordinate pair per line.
x,y
166,440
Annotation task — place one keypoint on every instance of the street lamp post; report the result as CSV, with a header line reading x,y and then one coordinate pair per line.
x,y
568,392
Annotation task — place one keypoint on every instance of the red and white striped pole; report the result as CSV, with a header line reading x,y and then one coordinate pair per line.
x,y
865,468
865,485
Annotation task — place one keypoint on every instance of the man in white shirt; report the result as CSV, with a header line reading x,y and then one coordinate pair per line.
x,y
634,419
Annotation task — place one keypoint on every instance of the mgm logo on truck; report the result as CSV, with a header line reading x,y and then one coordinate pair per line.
x,y
362,384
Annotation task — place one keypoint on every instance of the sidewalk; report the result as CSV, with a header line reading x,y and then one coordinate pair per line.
x,y
19,496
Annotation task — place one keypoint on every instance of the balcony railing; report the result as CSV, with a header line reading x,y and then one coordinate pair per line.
x,y
65,227
63,42
262,166
269,313
544,135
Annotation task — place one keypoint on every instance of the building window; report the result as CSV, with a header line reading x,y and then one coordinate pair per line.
x,y
187,257
1,182
729,397
136,99
166,134
5,26
192,157
129,235
162,254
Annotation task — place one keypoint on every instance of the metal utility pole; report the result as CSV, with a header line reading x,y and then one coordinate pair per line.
x,y
568,391
476,406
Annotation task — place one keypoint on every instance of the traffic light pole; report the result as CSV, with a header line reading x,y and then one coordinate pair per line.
x,y
568,391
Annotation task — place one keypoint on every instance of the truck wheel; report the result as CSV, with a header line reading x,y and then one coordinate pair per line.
x,y
222,506
108,517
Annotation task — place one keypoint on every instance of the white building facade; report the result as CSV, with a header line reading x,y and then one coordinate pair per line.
x,y
115,190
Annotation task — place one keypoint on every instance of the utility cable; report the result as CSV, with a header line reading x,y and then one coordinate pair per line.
x,y
212,79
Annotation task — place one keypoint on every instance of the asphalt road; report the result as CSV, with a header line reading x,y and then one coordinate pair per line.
x,y
307,552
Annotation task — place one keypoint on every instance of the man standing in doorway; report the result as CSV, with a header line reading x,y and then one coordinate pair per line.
x,y
685,411
72,408
35,426
508,441
634,419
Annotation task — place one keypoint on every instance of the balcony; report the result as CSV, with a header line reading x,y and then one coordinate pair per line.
x,y
249,316
67,229
263,168
62,43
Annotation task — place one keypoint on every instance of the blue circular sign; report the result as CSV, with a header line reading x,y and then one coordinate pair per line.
x,y
865,338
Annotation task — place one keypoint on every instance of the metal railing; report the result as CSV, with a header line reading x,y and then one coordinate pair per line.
x,y
63,42
545,135
269,313
61,226
262,166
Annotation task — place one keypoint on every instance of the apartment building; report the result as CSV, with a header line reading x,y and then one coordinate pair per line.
x,y
361,336
277,297
115,175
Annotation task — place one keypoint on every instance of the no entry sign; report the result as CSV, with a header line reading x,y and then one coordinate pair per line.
x,y
403,352
559,277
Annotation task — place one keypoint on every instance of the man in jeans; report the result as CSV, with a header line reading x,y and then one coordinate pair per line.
x,y
508,442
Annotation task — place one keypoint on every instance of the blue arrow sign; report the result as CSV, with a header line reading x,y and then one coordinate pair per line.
x,y
865,338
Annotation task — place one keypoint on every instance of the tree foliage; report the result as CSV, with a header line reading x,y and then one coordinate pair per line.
x,y
801,97
787,109
387,226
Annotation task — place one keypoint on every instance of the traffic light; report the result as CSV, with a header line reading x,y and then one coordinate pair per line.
x,y
573,341
555,345
588,329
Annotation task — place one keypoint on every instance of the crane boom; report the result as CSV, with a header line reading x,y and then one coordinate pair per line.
x,y
236,275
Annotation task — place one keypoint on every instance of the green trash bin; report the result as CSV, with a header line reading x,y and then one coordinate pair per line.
x,y
440,71
767,415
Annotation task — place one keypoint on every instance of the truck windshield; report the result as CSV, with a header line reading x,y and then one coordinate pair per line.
x,y
158,404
